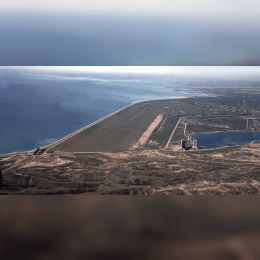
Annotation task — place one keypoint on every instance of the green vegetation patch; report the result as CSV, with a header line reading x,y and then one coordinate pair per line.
x,y
161,137
237,123
178,135
218,123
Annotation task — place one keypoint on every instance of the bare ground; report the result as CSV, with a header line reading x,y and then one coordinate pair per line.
x,y
148,132
140,172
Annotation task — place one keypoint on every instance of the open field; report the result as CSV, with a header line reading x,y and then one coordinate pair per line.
x,y
161,135
178,135
216,123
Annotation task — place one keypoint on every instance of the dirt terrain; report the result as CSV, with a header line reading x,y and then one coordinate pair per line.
x,y
145,136
228,170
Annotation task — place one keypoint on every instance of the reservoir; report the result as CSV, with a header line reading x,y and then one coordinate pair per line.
x,y
220,139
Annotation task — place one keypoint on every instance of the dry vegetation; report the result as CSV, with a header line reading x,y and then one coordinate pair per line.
x,y
230,170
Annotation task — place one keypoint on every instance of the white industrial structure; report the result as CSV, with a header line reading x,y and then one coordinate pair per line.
x,y
195,144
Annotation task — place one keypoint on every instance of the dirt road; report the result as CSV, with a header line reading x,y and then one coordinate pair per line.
x,y
166,146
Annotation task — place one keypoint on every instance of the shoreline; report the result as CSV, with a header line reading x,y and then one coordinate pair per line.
x,y
86,127
214,148
48,146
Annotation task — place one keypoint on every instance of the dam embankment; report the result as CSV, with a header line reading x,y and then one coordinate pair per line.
x,y
115,132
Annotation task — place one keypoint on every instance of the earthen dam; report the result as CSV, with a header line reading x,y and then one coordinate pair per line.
x,y
116,132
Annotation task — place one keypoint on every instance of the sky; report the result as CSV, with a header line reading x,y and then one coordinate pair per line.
x,y
130,33
216,7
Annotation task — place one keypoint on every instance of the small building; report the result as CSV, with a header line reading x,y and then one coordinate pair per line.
x,y
195,144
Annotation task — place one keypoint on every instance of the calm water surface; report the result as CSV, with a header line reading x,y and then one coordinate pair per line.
x,y
220,139
39,109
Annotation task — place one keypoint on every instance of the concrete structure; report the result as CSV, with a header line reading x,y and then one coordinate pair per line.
x,y
195,144
114,133
183,147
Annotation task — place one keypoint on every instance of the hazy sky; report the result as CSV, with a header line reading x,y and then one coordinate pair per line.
x,y
129,33
217,71
223,7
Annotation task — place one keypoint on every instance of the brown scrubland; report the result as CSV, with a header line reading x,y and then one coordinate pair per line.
x,y
228,170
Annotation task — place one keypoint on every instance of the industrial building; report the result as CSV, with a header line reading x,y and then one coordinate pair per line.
x,y
195,144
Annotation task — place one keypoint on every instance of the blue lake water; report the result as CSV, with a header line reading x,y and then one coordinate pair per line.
x,y
37,109
220,139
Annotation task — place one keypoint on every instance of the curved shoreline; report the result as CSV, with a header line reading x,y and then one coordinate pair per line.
x,y
101,119
49,146
85,127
